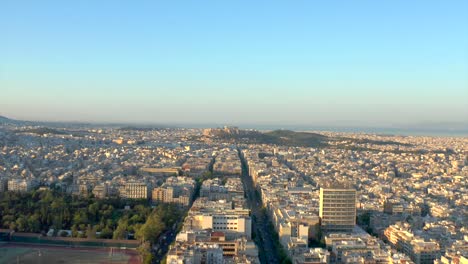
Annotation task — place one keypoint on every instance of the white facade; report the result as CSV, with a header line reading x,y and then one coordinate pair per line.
x,y
225,223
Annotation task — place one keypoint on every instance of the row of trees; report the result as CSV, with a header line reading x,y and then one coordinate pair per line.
x,y
160,220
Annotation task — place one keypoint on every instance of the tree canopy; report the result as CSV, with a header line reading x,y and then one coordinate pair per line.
x,y
38,211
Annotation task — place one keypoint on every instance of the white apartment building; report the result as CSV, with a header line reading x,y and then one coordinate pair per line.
x,y
228,223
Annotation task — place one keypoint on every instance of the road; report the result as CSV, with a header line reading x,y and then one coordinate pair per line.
x,y
161,247
268,253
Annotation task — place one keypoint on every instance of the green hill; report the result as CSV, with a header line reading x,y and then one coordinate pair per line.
x,y
278,137
291,138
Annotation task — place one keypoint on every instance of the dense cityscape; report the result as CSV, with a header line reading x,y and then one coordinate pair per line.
x,y
225,195
233,132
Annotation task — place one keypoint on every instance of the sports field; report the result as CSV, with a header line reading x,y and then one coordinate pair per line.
x,y
42,254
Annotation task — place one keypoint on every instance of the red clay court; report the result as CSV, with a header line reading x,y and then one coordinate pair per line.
x,y
12,253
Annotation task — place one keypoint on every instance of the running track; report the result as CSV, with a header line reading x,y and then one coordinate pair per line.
x,y
134,256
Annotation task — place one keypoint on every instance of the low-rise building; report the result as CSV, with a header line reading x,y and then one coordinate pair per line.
x,y
419,250
177,190
21,185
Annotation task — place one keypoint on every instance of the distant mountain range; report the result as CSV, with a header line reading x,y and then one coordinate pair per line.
x,y
6,120
57,124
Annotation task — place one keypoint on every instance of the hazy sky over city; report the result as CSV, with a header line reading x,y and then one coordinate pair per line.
x,y
267,62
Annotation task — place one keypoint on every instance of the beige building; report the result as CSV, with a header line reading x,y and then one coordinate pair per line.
x,y
195,254
452,258
160,172
134,190
312,256
159,194
172,195
337,208
177,190
419,250
100,191
20,185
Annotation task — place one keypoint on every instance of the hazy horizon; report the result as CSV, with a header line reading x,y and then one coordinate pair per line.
x,y
331,63
418,129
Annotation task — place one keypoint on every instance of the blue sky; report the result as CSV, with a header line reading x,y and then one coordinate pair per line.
x,y
373,63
